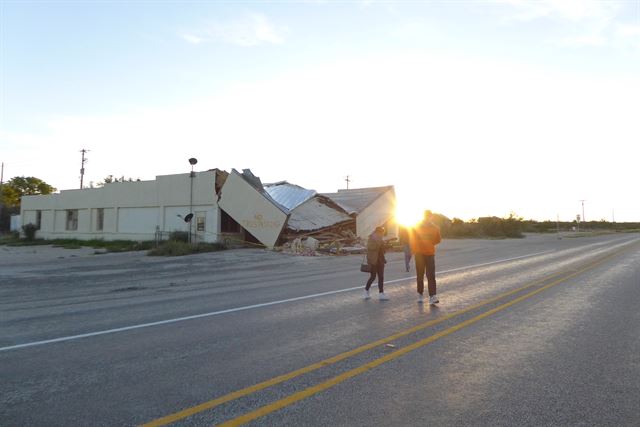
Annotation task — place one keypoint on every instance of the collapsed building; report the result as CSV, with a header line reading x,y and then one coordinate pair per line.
x,y
212,206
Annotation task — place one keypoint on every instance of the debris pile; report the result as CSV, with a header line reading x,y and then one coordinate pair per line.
x,y
303,221
339,240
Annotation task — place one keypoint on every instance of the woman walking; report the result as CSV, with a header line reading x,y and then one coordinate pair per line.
x,y
375,258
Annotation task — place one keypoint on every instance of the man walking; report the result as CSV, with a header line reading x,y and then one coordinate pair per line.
x,y
424,239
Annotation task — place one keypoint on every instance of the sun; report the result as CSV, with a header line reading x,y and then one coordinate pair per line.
x,y
408,215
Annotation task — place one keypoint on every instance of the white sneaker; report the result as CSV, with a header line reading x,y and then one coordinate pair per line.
x,y
420,299
383,297
433,299
366,294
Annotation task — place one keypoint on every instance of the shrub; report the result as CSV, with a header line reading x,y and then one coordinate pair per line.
x,y
458,228
512,226
30,231
179,236
490,226
175,248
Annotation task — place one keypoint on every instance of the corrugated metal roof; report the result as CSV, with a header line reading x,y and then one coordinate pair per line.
x,y
288,195
357,199
315,214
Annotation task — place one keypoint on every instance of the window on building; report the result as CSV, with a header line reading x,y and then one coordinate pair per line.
x,y
38,219
72,219
100,219
228,224
200,223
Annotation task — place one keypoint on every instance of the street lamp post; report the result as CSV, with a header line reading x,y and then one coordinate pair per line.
x,y
192,162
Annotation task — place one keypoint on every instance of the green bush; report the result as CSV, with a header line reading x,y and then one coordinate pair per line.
x,y
500,227
512,226
179,236
458,228
492,227
30,232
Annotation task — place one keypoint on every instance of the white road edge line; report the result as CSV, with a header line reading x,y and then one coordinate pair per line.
x,y
496,262
248,307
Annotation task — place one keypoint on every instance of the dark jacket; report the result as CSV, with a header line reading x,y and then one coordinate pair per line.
x,y
375,249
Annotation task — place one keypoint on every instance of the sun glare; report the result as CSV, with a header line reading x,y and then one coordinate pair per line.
x,y
408,215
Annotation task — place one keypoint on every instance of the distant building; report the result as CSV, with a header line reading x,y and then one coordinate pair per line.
x,y
135,210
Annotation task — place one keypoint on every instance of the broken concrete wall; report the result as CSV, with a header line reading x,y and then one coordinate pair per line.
x,y
371,207
243,199
380,212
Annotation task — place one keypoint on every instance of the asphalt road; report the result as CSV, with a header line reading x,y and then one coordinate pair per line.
x,y
534,331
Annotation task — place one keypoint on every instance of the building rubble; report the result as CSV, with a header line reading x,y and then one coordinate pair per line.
x,y
309,222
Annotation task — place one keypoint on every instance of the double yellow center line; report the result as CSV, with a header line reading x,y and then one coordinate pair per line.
x,y
267,409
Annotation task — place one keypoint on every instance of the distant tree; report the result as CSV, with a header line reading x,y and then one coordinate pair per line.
x,y
512,225
458,228
11,193
110,179
107,180
15,188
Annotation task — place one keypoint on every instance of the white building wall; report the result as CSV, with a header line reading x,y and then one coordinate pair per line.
x,y
110,220
48,219
173,218
138,219
16,223
59,222
378,213
84,221
132,210
29,217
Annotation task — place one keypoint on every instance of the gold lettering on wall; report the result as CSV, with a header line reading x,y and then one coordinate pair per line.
x,y
259,222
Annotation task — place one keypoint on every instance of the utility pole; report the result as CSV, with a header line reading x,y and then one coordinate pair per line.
x,y
613,219
83,151
348,181
583,219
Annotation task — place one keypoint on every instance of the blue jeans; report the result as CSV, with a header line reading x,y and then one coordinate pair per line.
x,y
407,255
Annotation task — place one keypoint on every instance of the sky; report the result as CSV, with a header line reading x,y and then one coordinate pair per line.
x,y
469,108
